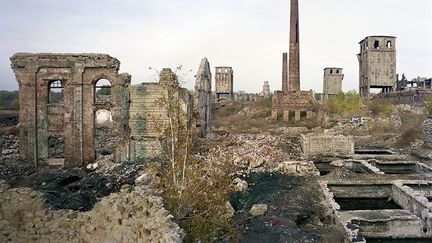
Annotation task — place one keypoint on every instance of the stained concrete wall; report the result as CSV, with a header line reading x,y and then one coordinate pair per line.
x,y
327,145
377,62
203,98
224,80
73,118
332,81
149,115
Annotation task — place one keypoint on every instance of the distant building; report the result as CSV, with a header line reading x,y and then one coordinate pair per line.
x,y
377,61
404,84
224,79
332,81
266,89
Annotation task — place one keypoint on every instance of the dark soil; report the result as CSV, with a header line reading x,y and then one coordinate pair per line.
x,y
8,120
294,211
63,188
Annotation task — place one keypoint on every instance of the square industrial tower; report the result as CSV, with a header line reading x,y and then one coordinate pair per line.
x,y
224,79
332,81
377,61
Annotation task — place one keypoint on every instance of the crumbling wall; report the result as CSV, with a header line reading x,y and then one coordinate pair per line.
x,y
72,117
224,82
327,145
151,107
292,105
132,215
203,98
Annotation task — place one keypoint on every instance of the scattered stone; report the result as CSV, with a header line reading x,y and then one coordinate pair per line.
x,y
240,185
230,210
258,209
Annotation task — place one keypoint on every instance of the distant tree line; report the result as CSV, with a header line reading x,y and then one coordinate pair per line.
x,y
9,100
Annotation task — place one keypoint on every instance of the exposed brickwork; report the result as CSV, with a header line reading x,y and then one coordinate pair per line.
x,y
285,72
294,49
291,103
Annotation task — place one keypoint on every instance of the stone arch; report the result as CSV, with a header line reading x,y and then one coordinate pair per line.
x,y
56,91
102,91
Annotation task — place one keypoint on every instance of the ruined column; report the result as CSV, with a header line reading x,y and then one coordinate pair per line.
x,y
297,116
294,49
285,72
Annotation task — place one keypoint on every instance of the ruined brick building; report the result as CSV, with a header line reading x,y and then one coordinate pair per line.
x,y
224,80
60,96
203,98
291,102
58,103
332,81
377,62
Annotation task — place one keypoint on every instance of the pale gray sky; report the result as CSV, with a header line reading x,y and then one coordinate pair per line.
x,y
249,35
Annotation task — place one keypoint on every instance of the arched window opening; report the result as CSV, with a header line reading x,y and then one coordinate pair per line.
x,y
102,91
389,44
376,44
55,92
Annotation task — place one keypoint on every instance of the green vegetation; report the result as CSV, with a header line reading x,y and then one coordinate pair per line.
x,y
380,107
104,90
345,104
428,108
9,100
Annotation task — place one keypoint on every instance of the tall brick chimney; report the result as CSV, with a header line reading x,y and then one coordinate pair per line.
x,y
294,49
285,72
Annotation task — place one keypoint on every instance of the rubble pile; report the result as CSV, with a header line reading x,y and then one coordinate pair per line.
x,y
131,215
106,141
259,153
360,124
75,189
9,147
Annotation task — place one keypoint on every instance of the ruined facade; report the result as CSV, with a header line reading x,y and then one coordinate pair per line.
x,y
377,64
58,104
203,97
151,107
224,79
332,81
292,106
291,103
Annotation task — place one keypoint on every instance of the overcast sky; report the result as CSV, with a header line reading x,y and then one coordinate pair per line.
x,y
249,35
